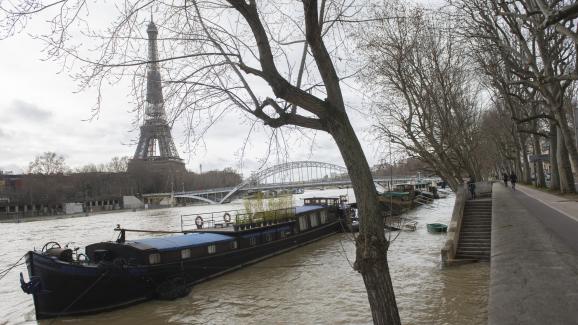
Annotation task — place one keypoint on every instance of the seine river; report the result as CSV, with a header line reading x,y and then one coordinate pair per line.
x,y
314,284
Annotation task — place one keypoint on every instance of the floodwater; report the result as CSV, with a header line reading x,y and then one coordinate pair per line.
x,y
314,284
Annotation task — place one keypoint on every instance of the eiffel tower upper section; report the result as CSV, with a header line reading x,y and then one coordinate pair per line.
x,y
156,142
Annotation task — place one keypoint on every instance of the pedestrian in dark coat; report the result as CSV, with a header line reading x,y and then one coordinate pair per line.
x,y
472,187
505,177
513,180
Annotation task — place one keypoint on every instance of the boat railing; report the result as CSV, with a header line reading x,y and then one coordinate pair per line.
x,y
238,219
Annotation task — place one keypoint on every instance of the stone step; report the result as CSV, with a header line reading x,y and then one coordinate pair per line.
x,y
475,239
475,231
479,240
474,227
477,221
473,252
474,221
482,245
472,257
480,221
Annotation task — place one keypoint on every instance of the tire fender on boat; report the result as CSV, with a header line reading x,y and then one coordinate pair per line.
x,y
227,217
199,222
172,289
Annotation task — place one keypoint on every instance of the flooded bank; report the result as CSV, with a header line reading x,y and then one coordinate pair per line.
x,y
314,284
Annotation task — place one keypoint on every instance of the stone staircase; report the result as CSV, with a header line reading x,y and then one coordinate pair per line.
x,y
476,230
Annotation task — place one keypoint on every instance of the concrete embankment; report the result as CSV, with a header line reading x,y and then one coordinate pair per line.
x,y
534,259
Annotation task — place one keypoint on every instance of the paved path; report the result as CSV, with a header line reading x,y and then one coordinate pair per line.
x,y
534,262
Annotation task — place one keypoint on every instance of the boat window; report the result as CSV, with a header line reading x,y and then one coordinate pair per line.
x,y
314,220
253,241
154,258
323,216
303,223
234,244
268,237
212,249
282,234
185,253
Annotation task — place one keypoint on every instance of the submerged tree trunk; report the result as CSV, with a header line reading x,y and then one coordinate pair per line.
x,y
554,173
371,253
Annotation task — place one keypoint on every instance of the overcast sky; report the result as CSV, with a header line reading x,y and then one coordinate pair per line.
x,y
40,111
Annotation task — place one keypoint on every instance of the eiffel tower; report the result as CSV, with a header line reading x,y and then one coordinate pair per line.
x,y
156,151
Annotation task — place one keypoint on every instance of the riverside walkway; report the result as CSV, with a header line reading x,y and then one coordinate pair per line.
x,y
534,258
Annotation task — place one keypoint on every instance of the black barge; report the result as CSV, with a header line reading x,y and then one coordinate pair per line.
x,y
112,275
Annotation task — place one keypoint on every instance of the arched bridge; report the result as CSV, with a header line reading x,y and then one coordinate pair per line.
x,y
296,174
293,174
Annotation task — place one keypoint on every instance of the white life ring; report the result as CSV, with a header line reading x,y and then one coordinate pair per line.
x,y
199,221
227,217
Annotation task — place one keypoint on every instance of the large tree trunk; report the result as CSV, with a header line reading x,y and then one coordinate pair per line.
x,y
538,165
567,138
517,164
564,167
524,150
371,254
554,173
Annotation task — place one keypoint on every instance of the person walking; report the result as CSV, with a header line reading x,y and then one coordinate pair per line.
x,y
505,177
472,187
513,180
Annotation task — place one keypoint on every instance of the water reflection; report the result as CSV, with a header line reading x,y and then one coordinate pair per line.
x,y
314,284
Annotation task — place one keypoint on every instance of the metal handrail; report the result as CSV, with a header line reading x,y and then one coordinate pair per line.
x,y
217,219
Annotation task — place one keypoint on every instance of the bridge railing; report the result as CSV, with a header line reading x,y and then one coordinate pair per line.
x,y
239,219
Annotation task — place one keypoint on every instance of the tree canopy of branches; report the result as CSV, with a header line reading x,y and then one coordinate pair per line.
x,y
116,165
527,50
273,60
424,95
48,163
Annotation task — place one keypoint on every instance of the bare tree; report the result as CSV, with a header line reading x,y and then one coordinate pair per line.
x,y
240,54
533,55
118,164
424,94
48,163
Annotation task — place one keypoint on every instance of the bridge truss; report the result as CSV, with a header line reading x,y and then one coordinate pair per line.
x,y
297,174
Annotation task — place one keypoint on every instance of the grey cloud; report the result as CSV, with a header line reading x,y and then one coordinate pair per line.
x,y
3,134
29,111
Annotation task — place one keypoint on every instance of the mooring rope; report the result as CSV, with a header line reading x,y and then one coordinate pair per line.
x,y
79,297
343,252
6,271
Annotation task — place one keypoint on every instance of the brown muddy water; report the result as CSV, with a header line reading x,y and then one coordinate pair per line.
x,y
314,284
